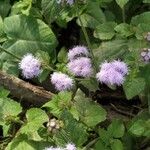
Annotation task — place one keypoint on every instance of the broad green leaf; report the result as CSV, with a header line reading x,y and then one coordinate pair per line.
x,y
116,128
105,31
91,84
72,131
100,145
8,107
124,29
23,143
146,1
35,119
116,145
93,16
137,128
105,136
142,18
90,113
62,55
133,87
2,33
51,10
4,7
110,50
23,6
59,102
27,35
122,3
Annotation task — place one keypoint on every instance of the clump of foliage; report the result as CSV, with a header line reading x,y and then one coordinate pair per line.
x,y
84,48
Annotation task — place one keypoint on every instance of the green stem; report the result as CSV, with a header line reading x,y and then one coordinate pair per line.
x,y
87,39
123,15
87,147
4,50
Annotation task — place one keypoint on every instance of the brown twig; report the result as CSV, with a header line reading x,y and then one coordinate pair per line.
x,y
24,90
121,111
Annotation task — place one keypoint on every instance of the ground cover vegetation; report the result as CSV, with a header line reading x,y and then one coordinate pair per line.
x,y
74,74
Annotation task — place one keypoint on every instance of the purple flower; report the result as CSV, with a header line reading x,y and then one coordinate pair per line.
x,y
70,2
120,66
105,66
61,81
70,146
30,66
81,67
112,73
110,77
145,54
77,51
148,36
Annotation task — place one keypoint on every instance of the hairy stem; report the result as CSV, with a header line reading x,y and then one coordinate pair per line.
x,y
87,39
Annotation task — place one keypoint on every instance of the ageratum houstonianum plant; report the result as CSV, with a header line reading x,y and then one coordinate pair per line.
x,y
112,73
30,66
100,42
69,146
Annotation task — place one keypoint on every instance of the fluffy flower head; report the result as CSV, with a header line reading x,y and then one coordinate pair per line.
x,y
81,67
61,81
110,77
112,73
70,2
77,51
70,146
30,66
120,67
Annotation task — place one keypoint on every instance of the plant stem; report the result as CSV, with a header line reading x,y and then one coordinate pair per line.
x,y
90,144
4,50
87,39
123,15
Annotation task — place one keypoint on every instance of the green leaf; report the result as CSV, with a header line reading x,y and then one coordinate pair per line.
x,y
62,55
116,145
133,87
100,145
43,75
22,6
142,18
91,84
27,35
23,143
35,119
93,16
4,8
73,131
105,31
122,3
8,107
124,29
51,9
110,50
137,128
59,103
146,1
2,33
116,128
90,112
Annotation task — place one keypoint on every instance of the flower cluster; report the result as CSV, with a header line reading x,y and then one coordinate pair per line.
x,y
61,81
69,146
145,54
79,63
147,37
112,73
30,66
70,2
